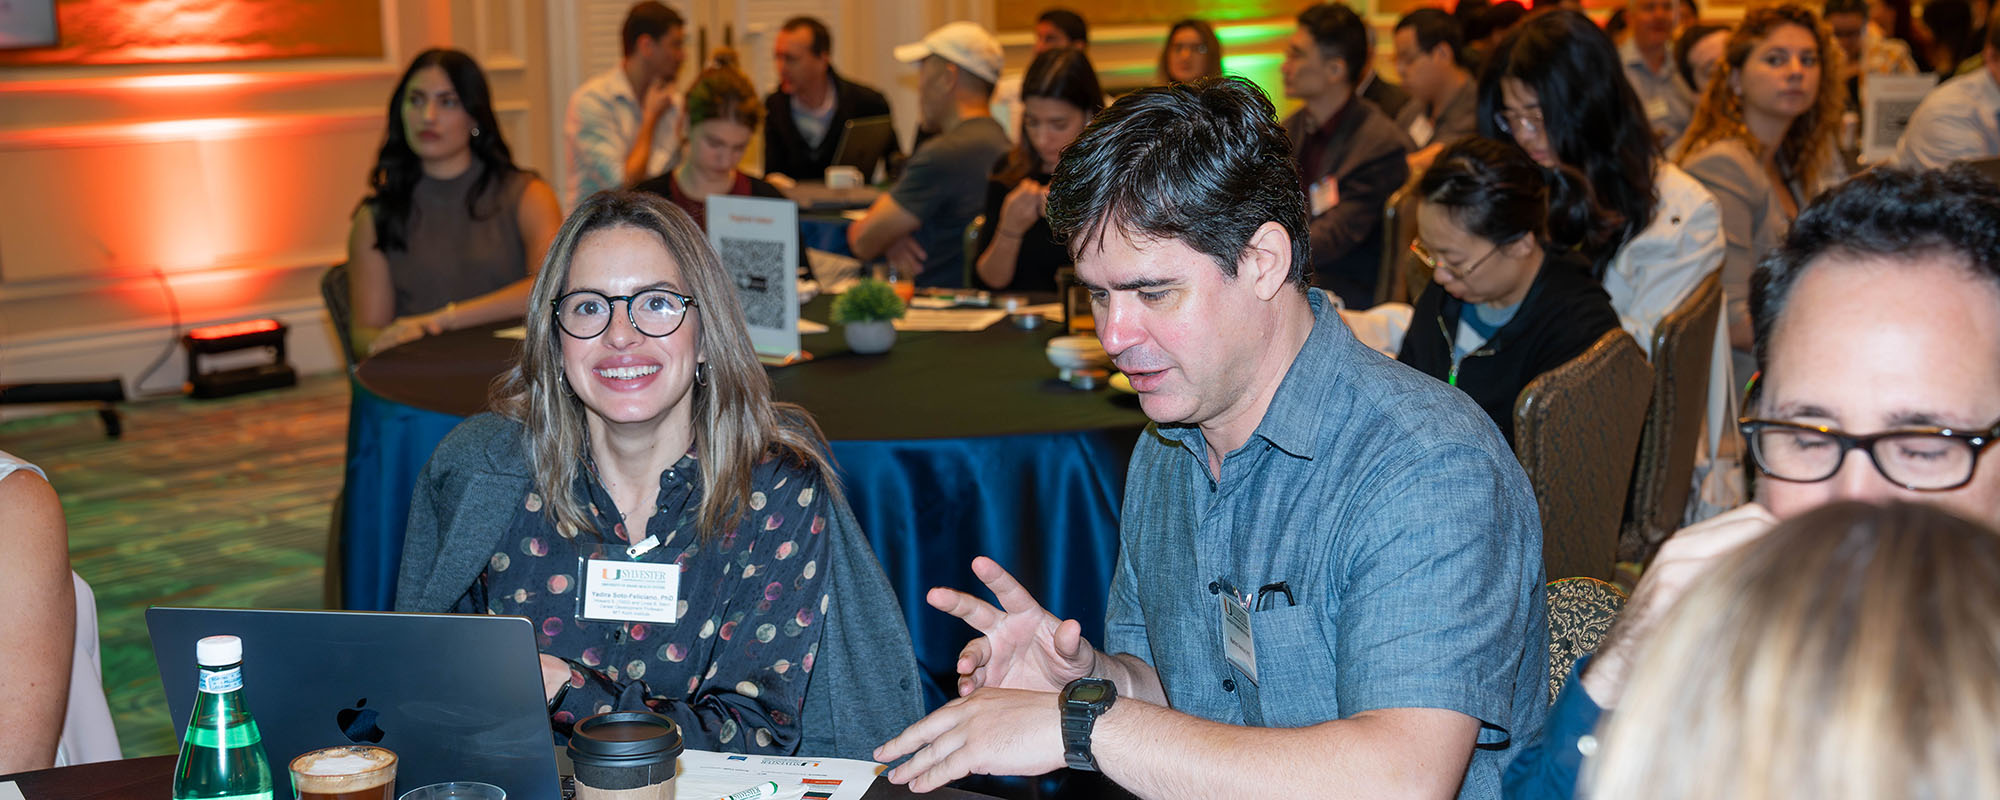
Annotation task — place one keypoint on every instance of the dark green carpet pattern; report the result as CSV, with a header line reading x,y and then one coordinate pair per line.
x,y
202,502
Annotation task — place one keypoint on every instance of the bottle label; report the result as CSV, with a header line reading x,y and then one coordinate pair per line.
x,y
222,681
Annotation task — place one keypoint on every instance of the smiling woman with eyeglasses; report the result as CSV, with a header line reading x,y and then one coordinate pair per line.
x,y
1510,300
637,437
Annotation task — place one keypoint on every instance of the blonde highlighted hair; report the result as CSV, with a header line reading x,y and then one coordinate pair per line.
x,y
1853,652
736,424
1808,146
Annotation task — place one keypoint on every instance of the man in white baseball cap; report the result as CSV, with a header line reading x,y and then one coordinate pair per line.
x,y
919,224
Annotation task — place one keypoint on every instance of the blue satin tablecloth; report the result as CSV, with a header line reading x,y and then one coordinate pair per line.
x,y
953,445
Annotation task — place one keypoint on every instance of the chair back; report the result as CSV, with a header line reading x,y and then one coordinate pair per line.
x,y
971,266
1576,428
1662,477
1401,278
333,290
1581,611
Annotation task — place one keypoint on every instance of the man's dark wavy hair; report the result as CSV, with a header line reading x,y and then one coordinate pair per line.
x,y
1952,216
1202,163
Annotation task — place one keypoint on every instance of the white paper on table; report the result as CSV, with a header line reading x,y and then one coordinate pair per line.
x,y
809,326
1887,101
705,775
950,319
1048,311
518,333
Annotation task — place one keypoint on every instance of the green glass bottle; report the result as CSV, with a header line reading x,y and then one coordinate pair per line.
x,y
222,757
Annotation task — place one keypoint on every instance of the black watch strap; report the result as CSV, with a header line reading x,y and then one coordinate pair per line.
x,y
1083,701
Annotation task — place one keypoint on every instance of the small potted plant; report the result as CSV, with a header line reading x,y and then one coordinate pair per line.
x,y
865,312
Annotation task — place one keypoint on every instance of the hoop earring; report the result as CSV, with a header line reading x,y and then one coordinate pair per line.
x,y
562,379
475,131
701,373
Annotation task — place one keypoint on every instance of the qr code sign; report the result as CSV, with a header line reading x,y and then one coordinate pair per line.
x,y
760,272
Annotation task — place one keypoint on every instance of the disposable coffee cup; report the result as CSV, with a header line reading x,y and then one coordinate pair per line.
x,y
842,177
625,755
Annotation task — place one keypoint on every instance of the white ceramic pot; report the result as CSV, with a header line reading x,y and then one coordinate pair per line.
x,y
869,338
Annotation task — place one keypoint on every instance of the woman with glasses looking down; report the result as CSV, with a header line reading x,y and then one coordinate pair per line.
x,y
1510,299
678,539
1555,86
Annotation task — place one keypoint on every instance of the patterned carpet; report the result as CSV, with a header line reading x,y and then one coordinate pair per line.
x,y
203,502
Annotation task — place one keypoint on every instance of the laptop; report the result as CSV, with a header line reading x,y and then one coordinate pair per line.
x,y
456,697
862,143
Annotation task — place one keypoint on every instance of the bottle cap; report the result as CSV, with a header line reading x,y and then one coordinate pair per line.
x,y
218,651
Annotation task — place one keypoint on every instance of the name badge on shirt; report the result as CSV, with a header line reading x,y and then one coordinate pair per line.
x,y
1238,647
630,591
1325,195
1656,109
1421,130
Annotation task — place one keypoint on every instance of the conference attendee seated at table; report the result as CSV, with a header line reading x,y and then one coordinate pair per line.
x,y
1865,48
1016,250
1878,339
1429,46
919,225
451,232
1959,121
638,429
813,104
1554,86
1509,299
1696,52
1350,155
55,714
1647,58
623,126
1272,495
722,113
1055,29
1956,41
1764,143
1847,653
1192,52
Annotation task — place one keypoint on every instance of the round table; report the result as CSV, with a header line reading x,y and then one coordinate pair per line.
x,y
152,778
951,445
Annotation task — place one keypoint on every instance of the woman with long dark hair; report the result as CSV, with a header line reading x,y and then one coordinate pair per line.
x,y
1763,143
1192,52
1017,252
451,232
1511,299
637,436
1556,86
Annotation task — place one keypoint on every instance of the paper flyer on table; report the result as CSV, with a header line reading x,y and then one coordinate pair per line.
x,y
706,776
953,319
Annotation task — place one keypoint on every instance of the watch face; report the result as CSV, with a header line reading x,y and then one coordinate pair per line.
x,y
1089,692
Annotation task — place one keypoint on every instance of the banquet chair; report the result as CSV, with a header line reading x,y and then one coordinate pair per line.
x,y
1662,477
1400,279
1576,428
333,291
1581,611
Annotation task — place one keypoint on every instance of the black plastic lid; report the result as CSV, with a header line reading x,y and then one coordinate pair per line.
x,y
617,738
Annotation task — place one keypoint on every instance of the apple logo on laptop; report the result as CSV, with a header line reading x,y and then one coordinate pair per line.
x,y
358,723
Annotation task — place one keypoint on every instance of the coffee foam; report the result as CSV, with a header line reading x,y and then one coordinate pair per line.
x,y
343,769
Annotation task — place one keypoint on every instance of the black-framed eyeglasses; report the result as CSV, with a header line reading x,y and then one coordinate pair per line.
x,y
1918,459
1433,263
657,313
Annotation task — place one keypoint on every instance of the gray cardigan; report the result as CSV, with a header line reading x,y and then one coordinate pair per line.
x,y
864,687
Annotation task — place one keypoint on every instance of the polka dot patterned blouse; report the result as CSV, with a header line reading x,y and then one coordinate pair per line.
x,y
731,670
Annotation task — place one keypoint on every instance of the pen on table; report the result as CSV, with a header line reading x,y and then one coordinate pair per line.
x,y
758,792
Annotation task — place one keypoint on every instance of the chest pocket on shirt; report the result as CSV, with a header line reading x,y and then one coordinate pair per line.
x,y
1295,669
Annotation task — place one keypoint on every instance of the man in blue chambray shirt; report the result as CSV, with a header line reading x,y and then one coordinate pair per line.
x,y
1330,575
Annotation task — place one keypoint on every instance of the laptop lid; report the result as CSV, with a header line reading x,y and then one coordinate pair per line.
x,y
862,143
455,697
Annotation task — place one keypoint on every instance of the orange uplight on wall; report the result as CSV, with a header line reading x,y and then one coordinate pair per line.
x,y
182,31
233,329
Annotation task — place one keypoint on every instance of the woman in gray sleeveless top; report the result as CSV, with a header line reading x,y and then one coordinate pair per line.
x,y
451,233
